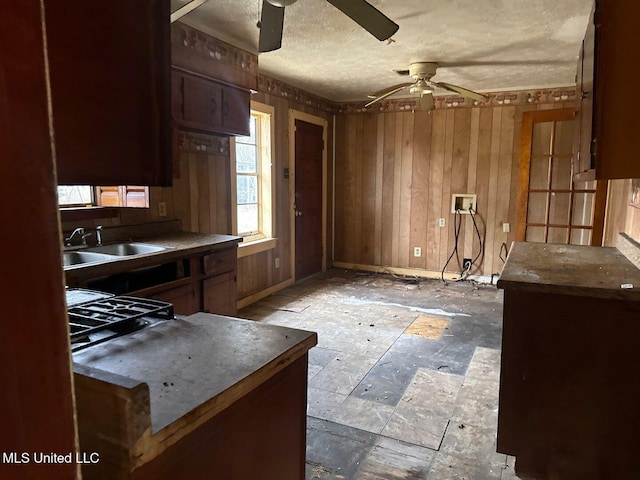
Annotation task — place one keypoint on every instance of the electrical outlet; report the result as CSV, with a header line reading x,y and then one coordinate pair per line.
x,y
277,262
417,252
162,209
466,264
506,228
441,222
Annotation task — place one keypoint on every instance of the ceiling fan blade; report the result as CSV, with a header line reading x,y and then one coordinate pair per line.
x,y
368,17
427,103
271,25
402,72
462,91
386,94
394,88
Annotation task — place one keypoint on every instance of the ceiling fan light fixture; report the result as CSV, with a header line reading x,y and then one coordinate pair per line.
x,y
421,86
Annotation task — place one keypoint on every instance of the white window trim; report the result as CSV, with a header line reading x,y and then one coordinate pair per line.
x,y
264,240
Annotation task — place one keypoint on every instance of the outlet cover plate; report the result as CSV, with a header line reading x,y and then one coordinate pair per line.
x,y
462,202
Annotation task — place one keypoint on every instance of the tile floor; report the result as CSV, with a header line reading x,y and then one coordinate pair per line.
x,y
403,383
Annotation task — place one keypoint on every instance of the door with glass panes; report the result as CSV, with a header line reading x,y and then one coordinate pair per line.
x,y
552,206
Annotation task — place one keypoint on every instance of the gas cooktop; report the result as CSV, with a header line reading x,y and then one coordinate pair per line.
x,y
95,317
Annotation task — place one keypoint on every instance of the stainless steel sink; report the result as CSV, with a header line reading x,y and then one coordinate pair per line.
x,y
78,258
125,249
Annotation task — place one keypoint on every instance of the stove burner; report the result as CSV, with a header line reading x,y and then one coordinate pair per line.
x,y
101,320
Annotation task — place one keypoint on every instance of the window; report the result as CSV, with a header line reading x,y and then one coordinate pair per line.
x,y
75,195
252,172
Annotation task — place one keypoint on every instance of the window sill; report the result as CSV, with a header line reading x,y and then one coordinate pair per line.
x,y
257,246
75,214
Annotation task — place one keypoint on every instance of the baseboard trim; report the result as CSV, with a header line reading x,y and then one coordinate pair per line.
x,y
246,301
416,272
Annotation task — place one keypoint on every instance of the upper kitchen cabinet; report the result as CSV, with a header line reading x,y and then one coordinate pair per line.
x,y
110,91
608,74
209,106
212,81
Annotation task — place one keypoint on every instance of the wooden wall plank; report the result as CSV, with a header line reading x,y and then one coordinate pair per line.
x,y
368,188
388,188
379,151
435,190
482,178
357,186
447,237
472,171
420,188
493,191
349,184
340,190
504,188
404,232
397,187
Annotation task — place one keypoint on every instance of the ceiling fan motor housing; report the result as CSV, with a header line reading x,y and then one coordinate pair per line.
x,y
422,70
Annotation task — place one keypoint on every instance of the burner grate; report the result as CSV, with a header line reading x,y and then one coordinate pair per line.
x,y
114,313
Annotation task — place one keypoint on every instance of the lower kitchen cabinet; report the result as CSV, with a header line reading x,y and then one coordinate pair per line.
x,y
229,402
202,283
185,297
568,397
219,294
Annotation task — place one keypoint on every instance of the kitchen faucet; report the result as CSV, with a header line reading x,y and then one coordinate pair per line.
x,y
78,232
99,235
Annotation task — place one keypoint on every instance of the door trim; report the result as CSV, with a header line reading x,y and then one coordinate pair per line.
x,y
306,117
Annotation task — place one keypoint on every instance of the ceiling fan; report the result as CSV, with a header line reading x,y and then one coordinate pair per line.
x,y
360,11
422,72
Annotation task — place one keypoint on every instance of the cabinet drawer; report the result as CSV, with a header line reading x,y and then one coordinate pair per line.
x,y
219,262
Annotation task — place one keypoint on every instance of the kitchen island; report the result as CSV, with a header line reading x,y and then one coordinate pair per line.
x,y
569,368
203,396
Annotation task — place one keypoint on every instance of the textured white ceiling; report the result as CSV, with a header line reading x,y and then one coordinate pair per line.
x,y
484,45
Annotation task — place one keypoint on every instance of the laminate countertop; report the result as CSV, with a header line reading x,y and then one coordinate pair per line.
x,y
194,367
602,272
178,245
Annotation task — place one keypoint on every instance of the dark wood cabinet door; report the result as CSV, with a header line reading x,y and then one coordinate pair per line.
x,y
110,91
201,104
236,110
219,294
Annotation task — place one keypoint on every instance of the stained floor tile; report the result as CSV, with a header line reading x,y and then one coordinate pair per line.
x,y
427,326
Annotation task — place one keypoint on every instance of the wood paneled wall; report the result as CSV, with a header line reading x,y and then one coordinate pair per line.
x,y
395,174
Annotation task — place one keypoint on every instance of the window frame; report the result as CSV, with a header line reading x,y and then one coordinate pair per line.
x,y
263,239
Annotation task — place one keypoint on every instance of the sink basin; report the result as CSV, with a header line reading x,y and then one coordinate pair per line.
x,y
77,258
124,249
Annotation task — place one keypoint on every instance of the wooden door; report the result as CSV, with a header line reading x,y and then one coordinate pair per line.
x,y
552,206
308,198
